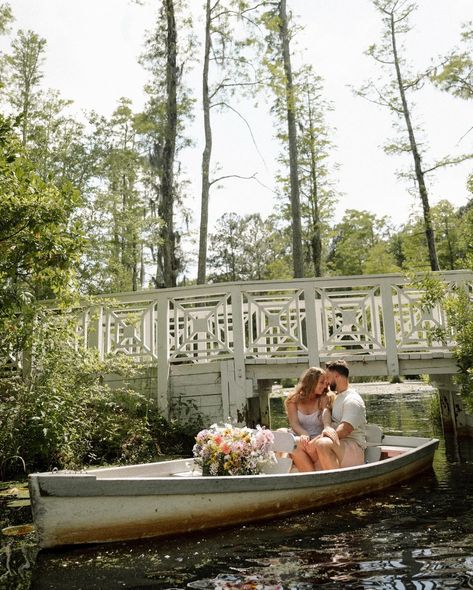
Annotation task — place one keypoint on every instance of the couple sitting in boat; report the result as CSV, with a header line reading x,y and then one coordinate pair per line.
x,y
330,427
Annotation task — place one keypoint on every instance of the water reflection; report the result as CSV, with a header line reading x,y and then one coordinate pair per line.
x,y
418,535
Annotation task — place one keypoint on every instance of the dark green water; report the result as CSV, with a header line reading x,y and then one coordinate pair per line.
x,y
418,535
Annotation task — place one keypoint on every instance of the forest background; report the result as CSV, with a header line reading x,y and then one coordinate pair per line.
x,y
259,143
369,213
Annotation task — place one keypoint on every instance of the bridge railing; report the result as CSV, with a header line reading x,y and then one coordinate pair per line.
x,y
376,316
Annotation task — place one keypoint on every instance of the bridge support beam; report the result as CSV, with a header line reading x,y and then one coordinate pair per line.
x,y
392,360
453,413
163,356
265,387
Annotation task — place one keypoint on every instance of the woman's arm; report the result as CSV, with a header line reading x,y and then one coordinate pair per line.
x,y
291,409
326,417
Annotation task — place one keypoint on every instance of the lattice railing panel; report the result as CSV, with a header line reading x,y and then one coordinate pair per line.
x,y
370,316
274,323
415,327
350,321
200,327
129,329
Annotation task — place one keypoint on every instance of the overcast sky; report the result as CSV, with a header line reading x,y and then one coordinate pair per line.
x,y
91,58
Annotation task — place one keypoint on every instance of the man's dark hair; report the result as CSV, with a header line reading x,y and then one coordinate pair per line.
x,y
340,367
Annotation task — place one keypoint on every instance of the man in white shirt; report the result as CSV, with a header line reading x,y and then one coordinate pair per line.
x,y
342,445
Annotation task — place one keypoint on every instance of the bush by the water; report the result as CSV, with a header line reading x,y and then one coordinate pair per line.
x,y
64,414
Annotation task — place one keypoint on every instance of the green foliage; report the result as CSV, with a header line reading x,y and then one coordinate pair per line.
x,y
360,245
465,238
456,73
318,193
458,306
6,17
119,222
453,233
23,75
248,248
39,243
66,413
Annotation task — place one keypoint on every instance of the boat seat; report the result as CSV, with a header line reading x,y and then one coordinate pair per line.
x,y
391,451
374,438
284,442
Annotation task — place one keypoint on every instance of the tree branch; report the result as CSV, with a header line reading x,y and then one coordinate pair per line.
x,y
449,162
224,104
252,177
464,135
5,239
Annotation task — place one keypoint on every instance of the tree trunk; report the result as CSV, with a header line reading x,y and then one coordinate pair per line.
x,y
316,240
142,257
297,256
166,208
206,155
424,197
451,254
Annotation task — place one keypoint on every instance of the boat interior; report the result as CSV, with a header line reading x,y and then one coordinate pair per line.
x,y
379,447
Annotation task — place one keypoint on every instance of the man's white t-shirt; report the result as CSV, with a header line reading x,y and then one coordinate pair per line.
x,y
350,407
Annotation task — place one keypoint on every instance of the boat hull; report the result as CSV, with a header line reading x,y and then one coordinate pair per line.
x,y
103,506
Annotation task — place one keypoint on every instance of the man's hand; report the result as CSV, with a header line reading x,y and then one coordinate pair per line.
x,y
332,434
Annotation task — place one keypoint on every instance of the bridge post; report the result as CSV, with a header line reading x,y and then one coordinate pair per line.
x,y
163,353
392,360
239,396
311,326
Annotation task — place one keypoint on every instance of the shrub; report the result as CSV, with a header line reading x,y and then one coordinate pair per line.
x,y
459,313
64,414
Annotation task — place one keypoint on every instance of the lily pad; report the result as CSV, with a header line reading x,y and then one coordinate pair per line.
x,y
18,531
16,492
18,503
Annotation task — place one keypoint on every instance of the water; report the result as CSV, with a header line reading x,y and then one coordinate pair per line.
x,y
418,535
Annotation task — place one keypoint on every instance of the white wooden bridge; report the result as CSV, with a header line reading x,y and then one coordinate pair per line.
x,y
223,345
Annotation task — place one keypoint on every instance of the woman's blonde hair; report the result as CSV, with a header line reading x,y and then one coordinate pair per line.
x,y
307,382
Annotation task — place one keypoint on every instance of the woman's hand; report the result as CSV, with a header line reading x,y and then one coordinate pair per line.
x,y
304,440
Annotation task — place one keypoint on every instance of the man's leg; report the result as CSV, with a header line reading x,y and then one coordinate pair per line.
x,y
329,454
353,455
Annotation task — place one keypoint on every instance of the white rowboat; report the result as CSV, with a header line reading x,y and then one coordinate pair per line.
x,y
172,497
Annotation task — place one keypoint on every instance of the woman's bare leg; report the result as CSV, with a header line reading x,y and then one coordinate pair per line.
x,y
302,460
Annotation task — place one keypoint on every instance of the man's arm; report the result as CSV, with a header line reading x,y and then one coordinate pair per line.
x,y
344,429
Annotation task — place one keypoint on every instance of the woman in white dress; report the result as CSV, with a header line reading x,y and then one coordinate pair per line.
x,y
308,408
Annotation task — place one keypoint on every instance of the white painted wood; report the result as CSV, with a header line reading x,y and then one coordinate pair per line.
x,y
372,454
282,465
196,379
201,388
225,388
374,434
311,326
389,329
284,442
163,354
238,337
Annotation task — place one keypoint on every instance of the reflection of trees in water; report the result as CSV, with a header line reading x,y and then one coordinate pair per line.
x,y
396,413
400,412
16,560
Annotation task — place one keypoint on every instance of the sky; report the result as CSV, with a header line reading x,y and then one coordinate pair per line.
x,y
91,58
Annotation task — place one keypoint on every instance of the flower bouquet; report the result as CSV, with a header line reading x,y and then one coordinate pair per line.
x,y
229,450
